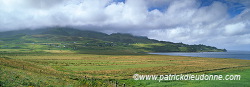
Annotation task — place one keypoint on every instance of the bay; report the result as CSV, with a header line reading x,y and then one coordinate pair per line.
x,y
230,54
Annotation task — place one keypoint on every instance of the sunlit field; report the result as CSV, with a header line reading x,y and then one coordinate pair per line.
x,y
72,69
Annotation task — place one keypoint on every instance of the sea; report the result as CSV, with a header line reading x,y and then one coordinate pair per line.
x,y
245,55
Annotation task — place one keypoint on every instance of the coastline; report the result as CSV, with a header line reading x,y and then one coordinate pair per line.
x,y
245,55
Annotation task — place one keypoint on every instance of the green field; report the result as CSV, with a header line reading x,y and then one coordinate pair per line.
x,y
69,68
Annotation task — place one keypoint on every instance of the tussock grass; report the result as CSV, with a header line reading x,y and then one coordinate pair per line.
x,y
72,69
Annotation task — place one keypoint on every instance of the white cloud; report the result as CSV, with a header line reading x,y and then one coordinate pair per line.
x,y
235,29
244,39
209,14
177,20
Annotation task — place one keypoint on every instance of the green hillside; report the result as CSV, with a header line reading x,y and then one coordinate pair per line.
x,y
57,57
83,41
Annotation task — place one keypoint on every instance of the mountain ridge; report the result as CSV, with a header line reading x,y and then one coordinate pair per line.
x,y
86,40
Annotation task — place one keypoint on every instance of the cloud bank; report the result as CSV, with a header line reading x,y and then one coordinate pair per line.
x,y
221,23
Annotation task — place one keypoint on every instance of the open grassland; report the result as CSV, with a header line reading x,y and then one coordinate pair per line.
x,y
72,69
243,82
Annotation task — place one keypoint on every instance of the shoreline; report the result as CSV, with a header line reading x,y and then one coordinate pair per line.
x,y
244,55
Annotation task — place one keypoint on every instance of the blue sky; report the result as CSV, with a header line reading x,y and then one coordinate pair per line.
x,y
234,9
220,23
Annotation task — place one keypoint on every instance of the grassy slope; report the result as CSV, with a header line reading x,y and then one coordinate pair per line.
x,y
39,43
73,39
58,69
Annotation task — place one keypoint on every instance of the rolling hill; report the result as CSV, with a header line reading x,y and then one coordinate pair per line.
x,y
85,41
